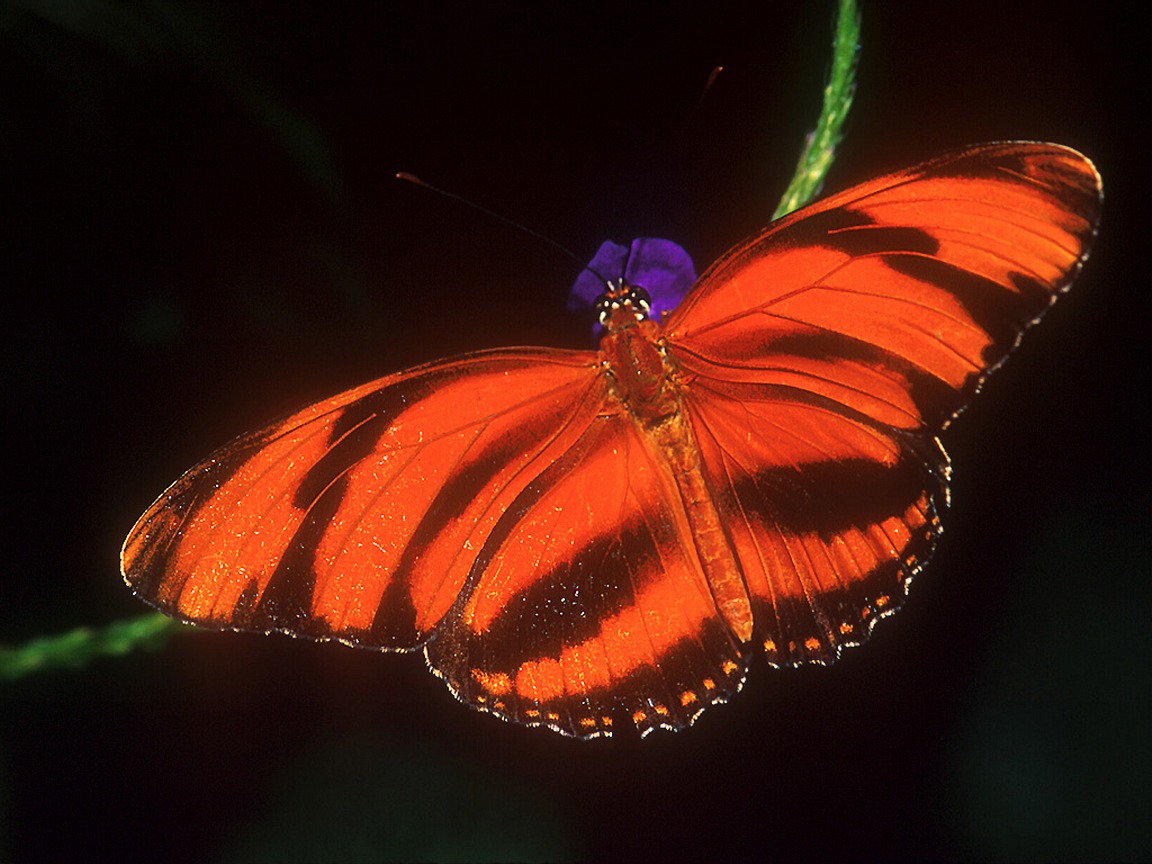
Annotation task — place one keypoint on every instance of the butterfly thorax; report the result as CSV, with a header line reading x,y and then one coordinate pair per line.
x,y
637,365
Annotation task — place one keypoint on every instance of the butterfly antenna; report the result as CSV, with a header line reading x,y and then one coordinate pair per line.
x,y
691,118
412,178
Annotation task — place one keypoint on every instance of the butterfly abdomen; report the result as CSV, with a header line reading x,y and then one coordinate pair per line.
x,y
646,381
718,561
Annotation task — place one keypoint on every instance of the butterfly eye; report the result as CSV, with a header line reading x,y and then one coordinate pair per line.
x,y
620,299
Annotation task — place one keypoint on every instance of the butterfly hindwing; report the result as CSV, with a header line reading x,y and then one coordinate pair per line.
x,y
828,516
589,601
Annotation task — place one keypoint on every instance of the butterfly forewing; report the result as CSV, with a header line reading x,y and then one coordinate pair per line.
x,y
925,278
358,517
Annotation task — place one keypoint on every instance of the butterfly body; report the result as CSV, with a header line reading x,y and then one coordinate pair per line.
x,y
582,540
640,376
658,409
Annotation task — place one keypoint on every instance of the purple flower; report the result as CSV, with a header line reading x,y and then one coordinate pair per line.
x,y
660,267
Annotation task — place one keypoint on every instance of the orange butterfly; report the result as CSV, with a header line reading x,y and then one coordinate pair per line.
x,y
595,540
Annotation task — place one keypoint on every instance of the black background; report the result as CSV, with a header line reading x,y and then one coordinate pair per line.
x,y
202,232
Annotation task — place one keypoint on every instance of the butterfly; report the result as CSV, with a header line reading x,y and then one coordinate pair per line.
x,y
596,541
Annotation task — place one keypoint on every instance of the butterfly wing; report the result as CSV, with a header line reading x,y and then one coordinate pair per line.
x,y
356,518
821,358
501,509
589,598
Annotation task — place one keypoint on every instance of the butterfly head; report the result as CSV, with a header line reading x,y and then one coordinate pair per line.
x,y
622,305
659,270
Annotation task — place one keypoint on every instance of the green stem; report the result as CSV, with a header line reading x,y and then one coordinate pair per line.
x,y
80,646
820,147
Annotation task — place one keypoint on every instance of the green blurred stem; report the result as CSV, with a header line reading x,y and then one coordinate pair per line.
x,y
820,147
78,647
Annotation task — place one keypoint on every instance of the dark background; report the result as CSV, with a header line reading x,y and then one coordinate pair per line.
x,y
202,232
